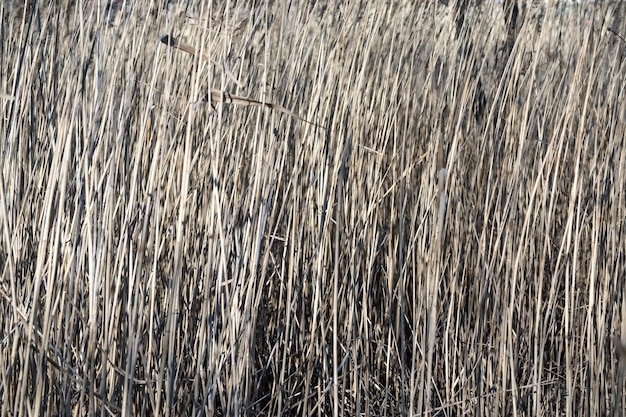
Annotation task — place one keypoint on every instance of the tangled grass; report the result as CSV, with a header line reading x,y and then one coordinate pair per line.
x,y
445,238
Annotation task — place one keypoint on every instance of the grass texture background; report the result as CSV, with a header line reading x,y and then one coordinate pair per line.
x,y
447,239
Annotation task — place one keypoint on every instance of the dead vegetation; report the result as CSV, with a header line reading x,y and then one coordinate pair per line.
x,y
447,238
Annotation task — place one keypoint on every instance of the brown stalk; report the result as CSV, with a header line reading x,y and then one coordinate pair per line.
x,y
218,96
620,350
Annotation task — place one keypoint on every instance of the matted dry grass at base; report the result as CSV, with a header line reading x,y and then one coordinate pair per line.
x,y
448,241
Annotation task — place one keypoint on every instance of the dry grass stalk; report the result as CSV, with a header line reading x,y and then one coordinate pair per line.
x,y
217,96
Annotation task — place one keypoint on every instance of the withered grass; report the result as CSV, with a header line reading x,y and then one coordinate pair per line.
x,y
446,239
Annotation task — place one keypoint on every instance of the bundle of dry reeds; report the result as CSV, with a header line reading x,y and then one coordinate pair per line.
x,y
400,218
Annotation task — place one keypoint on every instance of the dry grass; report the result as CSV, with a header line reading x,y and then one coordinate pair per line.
x,y
452,243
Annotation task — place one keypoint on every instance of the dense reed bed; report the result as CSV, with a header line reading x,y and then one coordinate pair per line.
x,y
446,237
